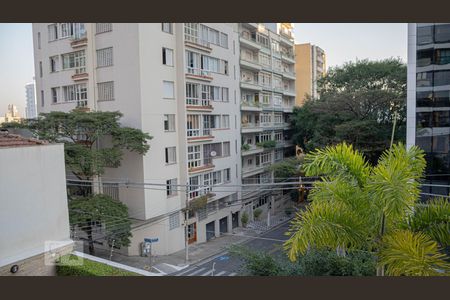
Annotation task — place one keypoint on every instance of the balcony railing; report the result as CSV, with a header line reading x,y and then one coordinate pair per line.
x,y
196,40
197,132
197,102
251,104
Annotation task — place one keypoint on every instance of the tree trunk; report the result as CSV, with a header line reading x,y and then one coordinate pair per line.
x,y
90,239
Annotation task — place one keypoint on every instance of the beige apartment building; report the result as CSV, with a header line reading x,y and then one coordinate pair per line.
x,y
310,66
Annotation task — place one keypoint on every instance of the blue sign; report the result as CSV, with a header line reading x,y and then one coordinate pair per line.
x,y
152,240
223,257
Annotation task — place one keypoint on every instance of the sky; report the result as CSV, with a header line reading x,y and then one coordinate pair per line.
x,y
341,42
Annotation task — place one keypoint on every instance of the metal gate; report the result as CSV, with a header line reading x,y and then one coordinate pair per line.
x,y
235,220
210,230
223,225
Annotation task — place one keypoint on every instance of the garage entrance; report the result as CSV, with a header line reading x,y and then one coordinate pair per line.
x,y
210,230
223,225
235,220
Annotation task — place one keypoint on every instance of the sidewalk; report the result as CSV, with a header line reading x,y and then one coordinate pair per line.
x,y
166,264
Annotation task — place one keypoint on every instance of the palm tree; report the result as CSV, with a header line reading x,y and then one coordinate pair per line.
x,y
357,206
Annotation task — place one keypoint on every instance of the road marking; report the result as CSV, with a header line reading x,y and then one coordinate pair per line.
x,y
207,273
196,272
184,272
232,274
220,273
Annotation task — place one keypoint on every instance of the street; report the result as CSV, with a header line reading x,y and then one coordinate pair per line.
x,y
228,265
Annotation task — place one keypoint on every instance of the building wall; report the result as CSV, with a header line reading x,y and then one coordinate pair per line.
x,y
33,209
411,87
30,95
138,74
303,72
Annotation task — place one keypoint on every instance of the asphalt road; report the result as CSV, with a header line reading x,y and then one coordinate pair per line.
x,y
228,265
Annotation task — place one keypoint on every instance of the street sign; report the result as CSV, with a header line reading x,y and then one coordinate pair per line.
x,y
151,240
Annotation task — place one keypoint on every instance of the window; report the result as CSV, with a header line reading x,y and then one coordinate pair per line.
x,y
54,63
169,122
75,60
225,121
171,155
65,30
441,98
39,40
171,187
442,56
223,40
424,57
168,90
442,33
103,27
106,91
217,177
424,79
105,57
167,56
75,92
42,98
194,159
278,155
278,136
40,69
174,221
52,32
167,27
265,158
193,125
441,78
264,59
226,149
55,92
424,35
227,175
225,95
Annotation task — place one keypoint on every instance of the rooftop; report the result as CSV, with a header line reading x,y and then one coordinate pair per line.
x,y
14,140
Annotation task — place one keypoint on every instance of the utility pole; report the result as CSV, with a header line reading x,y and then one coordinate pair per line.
x,y
112,249
395,116
186,231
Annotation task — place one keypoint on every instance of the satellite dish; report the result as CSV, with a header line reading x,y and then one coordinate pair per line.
x,y
213,153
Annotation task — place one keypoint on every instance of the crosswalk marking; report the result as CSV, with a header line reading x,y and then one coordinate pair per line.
x,y
220,273
196,272
232,274
207,273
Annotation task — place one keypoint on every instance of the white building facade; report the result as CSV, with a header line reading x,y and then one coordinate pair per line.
x,y
267,81
180,83
30,98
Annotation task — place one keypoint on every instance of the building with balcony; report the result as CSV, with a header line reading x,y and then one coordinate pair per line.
x,y
428,101
310,66
30,98
267,81
180,83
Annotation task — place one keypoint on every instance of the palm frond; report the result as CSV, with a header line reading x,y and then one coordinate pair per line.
x,y
405,253
433,218
337,161
323,225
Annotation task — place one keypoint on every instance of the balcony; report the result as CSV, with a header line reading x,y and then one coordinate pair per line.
x,y
199,135
249,42
289,74
197,43
288,57
80,76
250,149
208,166
288,92
253,170
200,74
250,63
251,106
250,85
251,127
286,38
195,104
79,42
82,105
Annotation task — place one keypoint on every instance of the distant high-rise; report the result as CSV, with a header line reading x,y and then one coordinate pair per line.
x,y
30,109
310,66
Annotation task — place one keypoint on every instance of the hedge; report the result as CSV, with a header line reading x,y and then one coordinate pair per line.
x,y
72,265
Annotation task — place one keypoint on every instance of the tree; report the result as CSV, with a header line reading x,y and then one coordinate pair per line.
x,y
357,105
288,168
92,141
357,206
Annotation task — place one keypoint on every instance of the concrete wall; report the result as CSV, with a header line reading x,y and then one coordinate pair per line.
x,y
411,87
303,72
33,205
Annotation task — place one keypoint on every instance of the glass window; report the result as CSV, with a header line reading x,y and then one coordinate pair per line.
x,y
424,99
442,56
169,122
441,118
55,95
167,56
441,78
425,57
424,35
103,27
105,57
171,155
174,221
52,32
424,79
171,187
442,99
423,119
168,90
106,91
442,33
167,27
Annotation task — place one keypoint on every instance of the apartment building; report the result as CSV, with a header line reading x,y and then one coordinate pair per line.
x,y
267,81
428,101
30,99
180,83
310,66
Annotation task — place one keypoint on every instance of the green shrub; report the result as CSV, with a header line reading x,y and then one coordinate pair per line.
x,y
72,265
267,144
256,213
245,147
244,219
